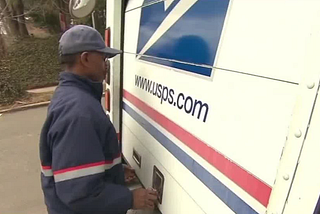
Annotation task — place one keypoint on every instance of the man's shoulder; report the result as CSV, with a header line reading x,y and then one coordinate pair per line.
x,y
68,101
69,97
67,107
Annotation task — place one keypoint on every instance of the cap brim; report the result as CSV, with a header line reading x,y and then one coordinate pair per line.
x,y
110,52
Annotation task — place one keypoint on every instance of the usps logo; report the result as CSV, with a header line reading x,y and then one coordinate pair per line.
x,y
182,34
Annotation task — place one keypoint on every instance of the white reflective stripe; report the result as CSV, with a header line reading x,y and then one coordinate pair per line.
x,y
115,162
47,172
78,173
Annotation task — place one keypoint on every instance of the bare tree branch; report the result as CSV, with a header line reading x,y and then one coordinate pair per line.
x,y
24,14
60,8
5,8
3,48
12,24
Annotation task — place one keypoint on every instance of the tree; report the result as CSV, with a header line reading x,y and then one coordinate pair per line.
x,y
64,12
3,49
52,14
12,15
7,18
18,8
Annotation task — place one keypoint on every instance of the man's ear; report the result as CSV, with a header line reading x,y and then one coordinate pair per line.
x,y
84,59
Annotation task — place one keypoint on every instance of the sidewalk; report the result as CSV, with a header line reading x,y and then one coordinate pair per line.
x,y
42,90
38,97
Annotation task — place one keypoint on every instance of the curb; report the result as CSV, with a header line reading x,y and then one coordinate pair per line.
x,y
25,107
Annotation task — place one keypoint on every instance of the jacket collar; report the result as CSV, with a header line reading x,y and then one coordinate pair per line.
x,y
70,79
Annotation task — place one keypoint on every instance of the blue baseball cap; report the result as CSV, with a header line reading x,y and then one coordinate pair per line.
x,y
81,38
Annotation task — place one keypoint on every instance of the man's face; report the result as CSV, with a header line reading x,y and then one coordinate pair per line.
x,y
98,65
95,65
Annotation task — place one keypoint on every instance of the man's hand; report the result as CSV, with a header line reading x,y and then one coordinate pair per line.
x,y
144,199
129,173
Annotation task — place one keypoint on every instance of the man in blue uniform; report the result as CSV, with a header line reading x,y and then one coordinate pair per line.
x,y
80,157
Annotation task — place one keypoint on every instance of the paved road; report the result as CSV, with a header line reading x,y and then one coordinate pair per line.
x,y
20,191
